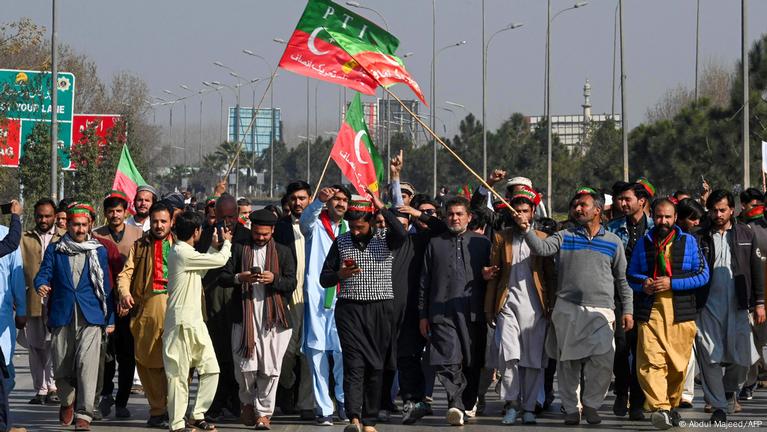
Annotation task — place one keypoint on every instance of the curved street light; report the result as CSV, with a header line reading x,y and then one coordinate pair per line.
x,y
547,105
360,6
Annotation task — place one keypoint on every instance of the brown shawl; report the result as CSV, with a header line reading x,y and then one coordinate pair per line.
x,y
274,306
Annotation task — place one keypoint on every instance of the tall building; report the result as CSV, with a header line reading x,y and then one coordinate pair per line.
x,y
268,121
573,129
386,116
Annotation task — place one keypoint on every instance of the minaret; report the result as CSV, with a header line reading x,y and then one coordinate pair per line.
x,y
587,102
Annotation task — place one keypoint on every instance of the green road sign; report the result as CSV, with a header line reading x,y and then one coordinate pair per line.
x,y
26,101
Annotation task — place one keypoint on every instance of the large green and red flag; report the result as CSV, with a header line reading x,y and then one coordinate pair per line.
x,y
334,44
354,152
127,178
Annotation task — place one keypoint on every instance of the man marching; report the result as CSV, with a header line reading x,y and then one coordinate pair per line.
x,y
264,276
666,269
143,289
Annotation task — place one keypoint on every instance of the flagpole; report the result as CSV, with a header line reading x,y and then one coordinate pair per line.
x,y
446,147
250,126
322,176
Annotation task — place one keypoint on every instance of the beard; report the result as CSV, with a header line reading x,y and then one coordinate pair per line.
x,y
456,229
663,230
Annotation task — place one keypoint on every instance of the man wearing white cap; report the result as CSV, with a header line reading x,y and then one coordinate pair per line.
x,y
146,195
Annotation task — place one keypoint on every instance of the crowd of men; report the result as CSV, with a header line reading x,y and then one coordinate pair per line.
x,y
332,307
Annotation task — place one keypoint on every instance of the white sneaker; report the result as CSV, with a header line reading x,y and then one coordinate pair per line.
x,y
455,417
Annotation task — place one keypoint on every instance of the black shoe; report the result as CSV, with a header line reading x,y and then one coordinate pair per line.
x,y
719,416
307,415
661,419
412,412
636,414
159,422
591,415
37,400
214,416
676,418
747,393
122,412
620,407
685,405
52,398
105,406
573,419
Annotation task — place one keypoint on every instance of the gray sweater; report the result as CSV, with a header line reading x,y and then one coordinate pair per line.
x,y
590,270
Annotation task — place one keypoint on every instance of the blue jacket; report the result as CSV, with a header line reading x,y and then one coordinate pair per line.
x,y
689,271
618,227
57,274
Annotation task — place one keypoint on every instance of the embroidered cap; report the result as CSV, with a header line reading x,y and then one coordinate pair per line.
x,y
585,191
528,194
78,208
642,181
114,193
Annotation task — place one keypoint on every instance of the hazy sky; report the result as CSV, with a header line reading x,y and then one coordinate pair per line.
x,y
170,42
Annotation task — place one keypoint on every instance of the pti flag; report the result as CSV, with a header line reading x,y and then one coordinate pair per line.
x,y
354,152
334,44
127,178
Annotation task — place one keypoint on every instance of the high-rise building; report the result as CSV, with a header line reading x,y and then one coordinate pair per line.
x,y
259,137
386,117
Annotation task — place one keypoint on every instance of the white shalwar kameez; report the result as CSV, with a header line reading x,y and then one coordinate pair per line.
x,y
520,333
259,375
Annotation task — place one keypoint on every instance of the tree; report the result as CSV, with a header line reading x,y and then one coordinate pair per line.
x,y
34,173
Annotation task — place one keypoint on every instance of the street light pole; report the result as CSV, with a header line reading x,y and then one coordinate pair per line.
x,y
271,107
549,20
433,88
434,102
744,61
697,46
486,46
54,89
624,124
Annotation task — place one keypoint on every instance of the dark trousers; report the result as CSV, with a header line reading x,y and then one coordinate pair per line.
x,y
548,379
624,365
461,384
458,354
365,331
5,410
411,379
119,357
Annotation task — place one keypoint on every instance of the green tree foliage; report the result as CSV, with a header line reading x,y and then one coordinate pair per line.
x,y
34,167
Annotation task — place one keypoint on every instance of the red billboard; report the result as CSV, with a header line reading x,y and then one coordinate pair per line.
x,y
10,137
104,124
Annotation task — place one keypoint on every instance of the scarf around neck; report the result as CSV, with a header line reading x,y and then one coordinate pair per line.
x,y
663,253
69,247
754,213
160,265
274,306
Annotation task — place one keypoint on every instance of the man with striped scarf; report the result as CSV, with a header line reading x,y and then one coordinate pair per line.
x,y
74,274
264,275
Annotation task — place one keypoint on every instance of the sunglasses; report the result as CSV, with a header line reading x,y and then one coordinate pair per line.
x,y
429,211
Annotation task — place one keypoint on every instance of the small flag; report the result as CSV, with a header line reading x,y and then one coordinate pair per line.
x,y
332,43
464,191
127,177
354,153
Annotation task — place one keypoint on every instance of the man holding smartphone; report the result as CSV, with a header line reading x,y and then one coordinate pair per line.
x,y
263,275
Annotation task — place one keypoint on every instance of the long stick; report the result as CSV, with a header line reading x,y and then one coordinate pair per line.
x,y
250,126
322,176
452,153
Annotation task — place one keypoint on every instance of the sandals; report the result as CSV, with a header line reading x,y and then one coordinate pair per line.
x,y
201,425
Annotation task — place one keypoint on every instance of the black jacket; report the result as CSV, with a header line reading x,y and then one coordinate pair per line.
x,y
439,299
283,234
284,283
747,265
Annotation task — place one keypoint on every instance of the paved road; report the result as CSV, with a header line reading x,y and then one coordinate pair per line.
x,y
45,418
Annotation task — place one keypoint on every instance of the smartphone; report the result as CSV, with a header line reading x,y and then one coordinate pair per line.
x,y
350,263
5,208
255,270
